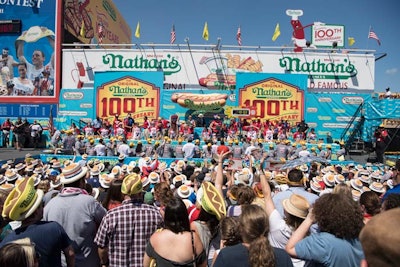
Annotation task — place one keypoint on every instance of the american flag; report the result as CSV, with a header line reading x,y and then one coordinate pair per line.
x,y
239,37
173,35
373,35
100,32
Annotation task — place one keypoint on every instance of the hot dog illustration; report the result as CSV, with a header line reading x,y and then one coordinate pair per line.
x,y
199,100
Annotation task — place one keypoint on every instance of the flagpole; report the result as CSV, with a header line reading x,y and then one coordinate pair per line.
x,y
370,27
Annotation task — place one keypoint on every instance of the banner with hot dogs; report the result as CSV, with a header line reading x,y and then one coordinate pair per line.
x,y
275,96
196,102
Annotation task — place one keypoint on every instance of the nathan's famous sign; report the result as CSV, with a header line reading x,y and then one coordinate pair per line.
x,y
274,100
128,95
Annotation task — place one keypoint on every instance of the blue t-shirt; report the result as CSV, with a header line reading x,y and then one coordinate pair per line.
x,y
49,238
394,190
324,249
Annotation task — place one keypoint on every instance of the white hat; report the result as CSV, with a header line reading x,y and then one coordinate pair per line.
x,y
56,183
73,172
154,178
356,184
95,170
184,191
105,180
377,187
179,178
116,171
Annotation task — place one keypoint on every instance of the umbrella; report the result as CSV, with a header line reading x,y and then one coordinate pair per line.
x,y
290,164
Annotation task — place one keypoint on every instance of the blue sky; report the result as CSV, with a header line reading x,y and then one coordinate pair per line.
x,y
258,18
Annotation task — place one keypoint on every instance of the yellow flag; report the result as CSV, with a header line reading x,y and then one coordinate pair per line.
x,y
351,41
82,31
205,32
277,32
137,32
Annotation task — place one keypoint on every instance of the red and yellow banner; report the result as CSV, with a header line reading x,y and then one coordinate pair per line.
x,y
273,100
128,95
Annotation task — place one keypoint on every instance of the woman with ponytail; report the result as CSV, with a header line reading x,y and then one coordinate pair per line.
x,y
255,249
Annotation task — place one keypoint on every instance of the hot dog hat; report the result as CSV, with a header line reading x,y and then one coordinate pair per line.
x,y
212,201
22,201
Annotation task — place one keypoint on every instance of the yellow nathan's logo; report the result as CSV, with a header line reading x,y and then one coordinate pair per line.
x,y
128,95
129,87
274,100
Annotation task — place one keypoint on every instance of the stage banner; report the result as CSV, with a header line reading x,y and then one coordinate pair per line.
x,y
331,113
75,105
276,97
216,70
120,93
30,33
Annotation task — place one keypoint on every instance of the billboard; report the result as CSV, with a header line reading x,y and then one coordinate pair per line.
x,y
96,22
36,81
324,35
120,93
216,70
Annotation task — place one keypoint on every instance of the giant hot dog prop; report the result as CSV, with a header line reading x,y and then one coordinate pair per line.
x,y
189,100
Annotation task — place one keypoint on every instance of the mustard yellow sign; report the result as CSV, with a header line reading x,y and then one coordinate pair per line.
x,y
128,95
274,100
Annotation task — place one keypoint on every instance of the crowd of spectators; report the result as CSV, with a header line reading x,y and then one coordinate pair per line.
x,y
141,212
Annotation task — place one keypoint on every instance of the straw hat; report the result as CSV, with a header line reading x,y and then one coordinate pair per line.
x,y
22,201
184,191
56,164
11,175
329,180
116,171
121,157
179,178
296,205
84,156
154,178
377,187
316,186
6,187
19,166
56,182
356,194
339,178
365,178
105,180
356,184
303,168
95,170
72,173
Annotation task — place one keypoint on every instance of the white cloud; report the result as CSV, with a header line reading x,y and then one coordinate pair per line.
x,y
391,71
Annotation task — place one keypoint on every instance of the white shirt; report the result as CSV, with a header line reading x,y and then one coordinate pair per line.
x,y
24,87
100,149
124,149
